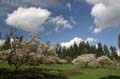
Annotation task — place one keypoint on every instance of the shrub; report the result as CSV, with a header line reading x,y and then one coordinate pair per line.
x,y
84,60
104,61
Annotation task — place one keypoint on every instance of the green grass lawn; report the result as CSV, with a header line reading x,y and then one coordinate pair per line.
x,y
59,67
95,73
85,73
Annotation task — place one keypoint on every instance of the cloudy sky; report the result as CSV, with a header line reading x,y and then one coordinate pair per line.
x,y
63,21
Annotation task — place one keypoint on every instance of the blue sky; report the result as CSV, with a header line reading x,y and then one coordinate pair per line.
x,y
65,19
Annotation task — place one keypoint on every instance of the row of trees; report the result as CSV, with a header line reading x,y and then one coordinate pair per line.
x,y
86,48
17,52
35,48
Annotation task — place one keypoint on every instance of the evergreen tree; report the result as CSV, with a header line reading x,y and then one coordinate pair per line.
x,y
113,52
119,42
82,48
100,50
76,50
87,45
63,52
21,38
7,43
58,49
106,51
93,50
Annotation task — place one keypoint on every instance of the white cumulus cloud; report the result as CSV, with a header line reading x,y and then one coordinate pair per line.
x,y
72,20
60,21
2,42
97,30
106,14
90,40
70,43
118,52
69,6
77,40
29,19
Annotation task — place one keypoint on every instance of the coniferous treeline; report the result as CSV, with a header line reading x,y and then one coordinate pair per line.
x,y
85,48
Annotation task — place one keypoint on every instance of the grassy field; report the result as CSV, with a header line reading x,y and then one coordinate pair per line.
x,y
84,73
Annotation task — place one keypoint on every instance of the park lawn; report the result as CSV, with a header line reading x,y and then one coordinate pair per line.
x,y
58,67
85,73
96,74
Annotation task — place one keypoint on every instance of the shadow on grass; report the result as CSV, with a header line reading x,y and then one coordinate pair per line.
x,y
111,77
29,74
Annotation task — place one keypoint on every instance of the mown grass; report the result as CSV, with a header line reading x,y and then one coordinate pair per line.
x,y
95,73
58,67
85,73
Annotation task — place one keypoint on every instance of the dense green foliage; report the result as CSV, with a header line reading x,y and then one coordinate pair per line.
x,y
86,48
119,41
